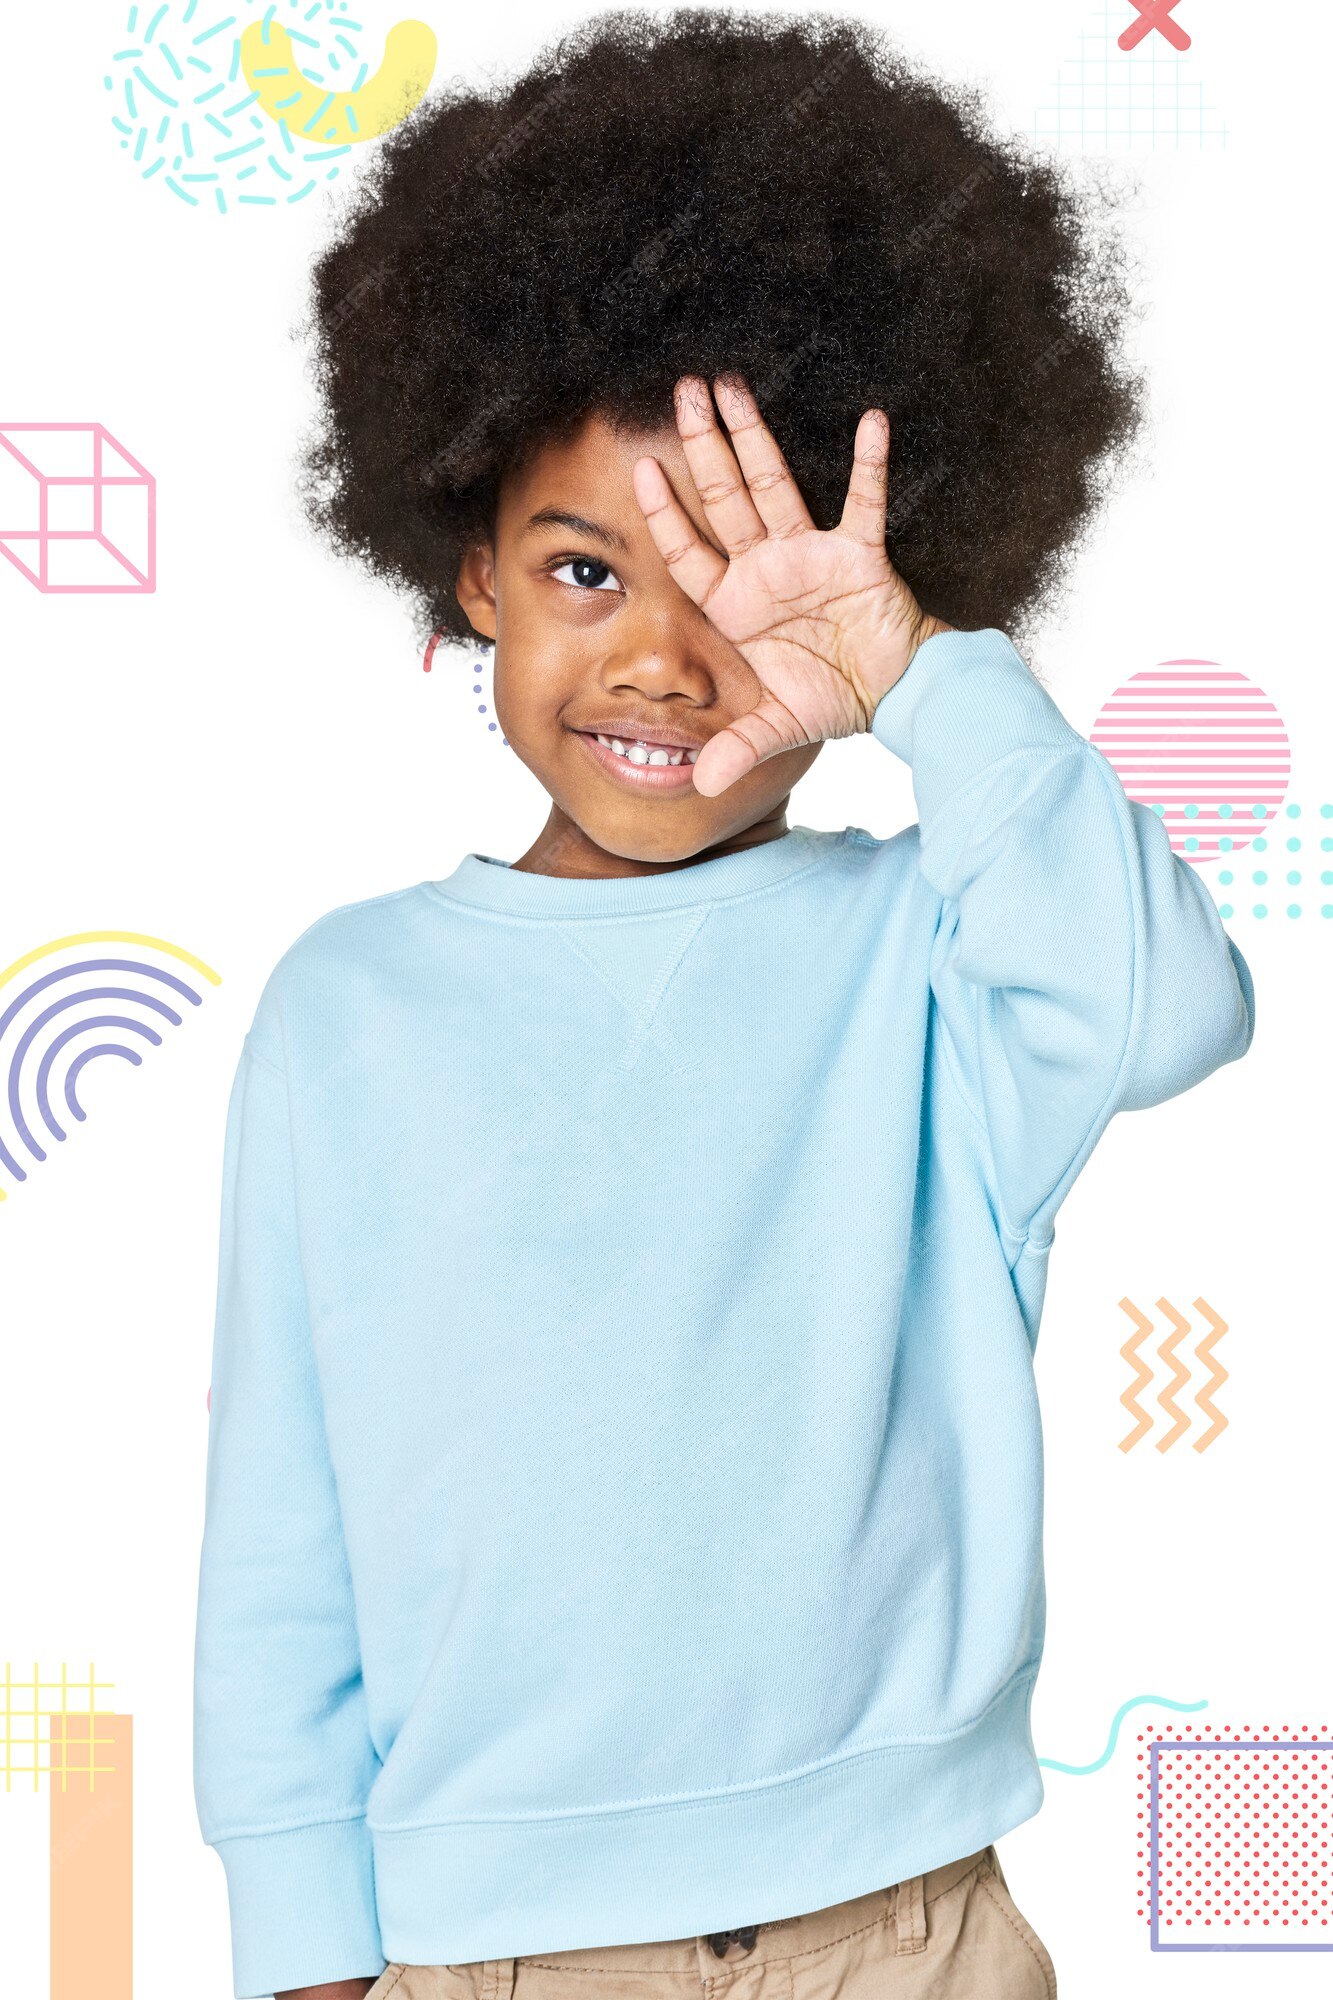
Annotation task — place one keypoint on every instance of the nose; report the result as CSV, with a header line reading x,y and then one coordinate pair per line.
x,y
677,653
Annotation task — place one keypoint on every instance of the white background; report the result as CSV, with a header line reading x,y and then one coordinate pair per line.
x,y
223,761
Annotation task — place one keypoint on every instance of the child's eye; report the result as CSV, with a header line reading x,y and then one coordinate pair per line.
x,y
589,574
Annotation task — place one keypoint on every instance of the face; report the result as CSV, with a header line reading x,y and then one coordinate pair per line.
x,y
596,644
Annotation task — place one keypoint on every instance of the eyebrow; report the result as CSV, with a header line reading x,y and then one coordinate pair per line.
x,y
555,517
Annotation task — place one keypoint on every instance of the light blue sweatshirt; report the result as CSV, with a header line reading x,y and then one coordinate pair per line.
x,y
624,1485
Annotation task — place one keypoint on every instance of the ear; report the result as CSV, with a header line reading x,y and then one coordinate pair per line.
x,y
475,589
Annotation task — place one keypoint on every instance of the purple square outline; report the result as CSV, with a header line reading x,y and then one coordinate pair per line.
x,y
1157,1944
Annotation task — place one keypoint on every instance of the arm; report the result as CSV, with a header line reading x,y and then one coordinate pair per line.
x,y
282,1756
1080,967
341,1989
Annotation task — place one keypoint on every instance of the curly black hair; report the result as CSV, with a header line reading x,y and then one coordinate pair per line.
x,y
706,190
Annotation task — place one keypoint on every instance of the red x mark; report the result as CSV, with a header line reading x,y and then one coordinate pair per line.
x,y
1154,14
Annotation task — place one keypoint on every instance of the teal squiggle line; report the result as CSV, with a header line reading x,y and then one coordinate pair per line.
x,y
1135,1701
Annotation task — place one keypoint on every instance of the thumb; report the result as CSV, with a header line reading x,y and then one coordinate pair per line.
x,y
758,734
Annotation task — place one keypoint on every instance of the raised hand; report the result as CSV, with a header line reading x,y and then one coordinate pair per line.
x,y
822,617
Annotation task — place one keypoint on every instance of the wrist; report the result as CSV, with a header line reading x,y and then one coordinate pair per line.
x,y
880,676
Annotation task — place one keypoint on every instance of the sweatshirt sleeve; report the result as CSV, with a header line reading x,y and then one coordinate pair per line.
x,y
1080,967
282,1756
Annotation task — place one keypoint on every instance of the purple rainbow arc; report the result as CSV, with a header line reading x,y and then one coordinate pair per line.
x,y
28,1040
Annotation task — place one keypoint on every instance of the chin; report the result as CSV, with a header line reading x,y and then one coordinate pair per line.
x,y
660,844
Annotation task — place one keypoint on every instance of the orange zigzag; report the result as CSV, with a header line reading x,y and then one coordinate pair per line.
x,y
1130,1352
1218,1376
1179,1375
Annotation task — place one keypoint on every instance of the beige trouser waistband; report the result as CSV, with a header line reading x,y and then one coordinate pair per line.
x,y
903,1905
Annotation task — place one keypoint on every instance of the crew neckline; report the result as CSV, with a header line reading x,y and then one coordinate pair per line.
x,y
483,882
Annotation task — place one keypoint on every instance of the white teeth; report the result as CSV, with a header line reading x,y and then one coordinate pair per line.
x,y
640,752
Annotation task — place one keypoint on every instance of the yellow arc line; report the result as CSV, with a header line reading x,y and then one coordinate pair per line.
x,y
110,937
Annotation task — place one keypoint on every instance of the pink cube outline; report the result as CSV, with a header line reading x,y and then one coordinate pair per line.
x,y
44,535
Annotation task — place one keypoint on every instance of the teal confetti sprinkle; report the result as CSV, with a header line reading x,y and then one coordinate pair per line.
x,y
181,192
316,115
149,85
208,33
301,192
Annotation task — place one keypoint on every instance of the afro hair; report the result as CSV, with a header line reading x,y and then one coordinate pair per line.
x,y
700,191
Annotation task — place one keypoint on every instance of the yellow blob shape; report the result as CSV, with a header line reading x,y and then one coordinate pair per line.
x,y
339,117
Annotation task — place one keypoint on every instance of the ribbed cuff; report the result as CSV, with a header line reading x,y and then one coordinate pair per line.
x,y
302,1907
969,698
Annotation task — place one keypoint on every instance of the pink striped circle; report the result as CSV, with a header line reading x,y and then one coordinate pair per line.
x,y
1203,744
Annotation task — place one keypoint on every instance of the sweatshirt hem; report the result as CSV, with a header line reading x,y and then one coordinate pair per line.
x,y
475,1889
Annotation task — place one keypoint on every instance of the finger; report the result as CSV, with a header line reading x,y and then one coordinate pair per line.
x,y
760,733
713,468
697,568
865,511
767,473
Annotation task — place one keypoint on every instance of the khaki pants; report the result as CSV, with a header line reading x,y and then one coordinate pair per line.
x,y
952,1934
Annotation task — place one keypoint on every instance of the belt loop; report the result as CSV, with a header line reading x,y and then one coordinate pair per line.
x,y
911,1914
499,1985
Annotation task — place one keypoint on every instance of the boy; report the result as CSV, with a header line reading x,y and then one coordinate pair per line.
x,y
623,1538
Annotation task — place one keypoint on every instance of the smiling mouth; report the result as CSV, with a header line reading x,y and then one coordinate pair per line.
x,y
635,751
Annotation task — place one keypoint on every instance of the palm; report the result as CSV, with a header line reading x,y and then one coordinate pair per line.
x,y
823,618
800,610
